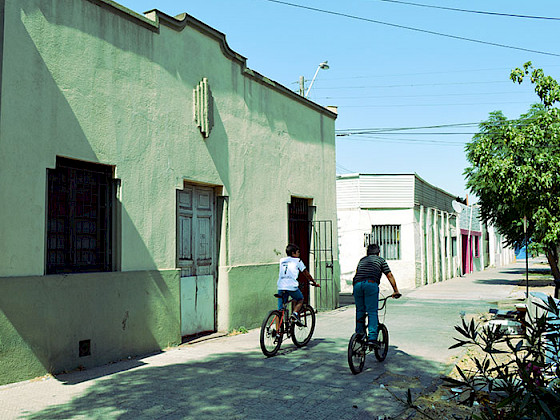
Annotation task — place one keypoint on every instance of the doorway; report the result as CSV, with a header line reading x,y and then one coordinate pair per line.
x,y
299,233
196,257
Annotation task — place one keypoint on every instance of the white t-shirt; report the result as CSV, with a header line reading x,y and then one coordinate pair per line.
x,y
289,271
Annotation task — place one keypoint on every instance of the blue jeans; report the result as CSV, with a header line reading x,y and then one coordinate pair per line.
x,y
366,298
286,294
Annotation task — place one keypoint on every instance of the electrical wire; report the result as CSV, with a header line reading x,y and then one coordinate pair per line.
x,y
416,85
410,28
428,105
344,169
383,129
421,96
425,142
501,69
388,130
471,11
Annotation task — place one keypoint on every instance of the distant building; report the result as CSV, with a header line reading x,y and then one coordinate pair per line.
x,y
421,235
412,221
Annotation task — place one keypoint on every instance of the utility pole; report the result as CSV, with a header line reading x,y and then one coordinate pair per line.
x,y
301,86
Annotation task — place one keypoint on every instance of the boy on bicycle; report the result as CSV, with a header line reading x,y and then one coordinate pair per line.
x,y
288,285
366,291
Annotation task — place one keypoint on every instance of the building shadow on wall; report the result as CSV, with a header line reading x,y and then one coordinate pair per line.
x,y
48,318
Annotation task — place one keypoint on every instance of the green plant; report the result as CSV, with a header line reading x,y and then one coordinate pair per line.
x,y
237,331
517,377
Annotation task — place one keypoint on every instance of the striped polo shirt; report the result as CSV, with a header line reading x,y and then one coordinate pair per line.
x,y
370,268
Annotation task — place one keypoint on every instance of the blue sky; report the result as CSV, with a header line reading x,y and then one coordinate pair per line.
x,y
383,76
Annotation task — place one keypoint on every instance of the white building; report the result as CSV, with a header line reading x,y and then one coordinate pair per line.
x,y
422,235
413,222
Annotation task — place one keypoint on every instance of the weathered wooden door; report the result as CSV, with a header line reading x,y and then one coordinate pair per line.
x,y
196,258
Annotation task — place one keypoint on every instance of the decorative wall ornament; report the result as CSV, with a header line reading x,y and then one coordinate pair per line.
x,y
203,107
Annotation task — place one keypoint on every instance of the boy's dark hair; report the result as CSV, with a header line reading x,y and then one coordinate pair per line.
x,y
373,249
291,249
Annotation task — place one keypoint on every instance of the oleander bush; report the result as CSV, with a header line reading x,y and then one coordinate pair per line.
x,y
512,376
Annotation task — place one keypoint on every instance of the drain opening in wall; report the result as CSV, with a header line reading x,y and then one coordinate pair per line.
x,y
84,348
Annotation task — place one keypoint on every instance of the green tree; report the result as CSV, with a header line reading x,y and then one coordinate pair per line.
x,y
515,169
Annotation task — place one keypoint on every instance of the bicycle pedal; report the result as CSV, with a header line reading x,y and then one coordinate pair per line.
x,y
373,345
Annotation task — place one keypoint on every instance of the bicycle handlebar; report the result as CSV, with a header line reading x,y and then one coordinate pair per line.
x,y
394,296
383,301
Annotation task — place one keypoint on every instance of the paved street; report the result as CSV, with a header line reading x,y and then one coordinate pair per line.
x,y
229,376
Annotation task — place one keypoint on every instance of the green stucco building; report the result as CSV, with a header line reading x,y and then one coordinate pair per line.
x,y
149,183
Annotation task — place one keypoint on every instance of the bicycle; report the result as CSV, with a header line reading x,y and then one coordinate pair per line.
x,y
278,323
358,346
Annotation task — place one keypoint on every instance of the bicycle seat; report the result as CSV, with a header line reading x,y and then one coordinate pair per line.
x,y
277,295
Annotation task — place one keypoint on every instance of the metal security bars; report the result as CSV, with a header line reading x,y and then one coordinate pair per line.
x,y
322,252
79,219
388,237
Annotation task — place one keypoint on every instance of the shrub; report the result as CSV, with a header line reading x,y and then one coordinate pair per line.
x,y
517,376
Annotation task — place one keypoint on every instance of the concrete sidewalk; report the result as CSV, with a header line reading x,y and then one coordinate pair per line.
x,y
229,376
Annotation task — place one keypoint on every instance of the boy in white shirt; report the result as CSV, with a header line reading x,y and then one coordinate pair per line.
x,y
288,285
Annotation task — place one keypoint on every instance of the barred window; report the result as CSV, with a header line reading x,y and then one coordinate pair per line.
x,y
388,237
79,217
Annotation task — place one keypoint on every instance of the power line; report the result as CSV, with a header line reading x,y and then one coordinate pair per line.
x,y
326,79
419,134
421,96
417,85
471,11
399,130
383,129
413,29
407,141
408,105
344,169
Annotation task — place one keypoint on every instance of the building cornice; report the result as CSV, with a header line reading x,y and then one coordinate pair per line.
x,y
153,19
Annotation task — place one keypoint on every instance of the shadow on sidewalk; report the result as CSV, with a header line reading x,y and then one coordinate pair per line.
x,y
315,381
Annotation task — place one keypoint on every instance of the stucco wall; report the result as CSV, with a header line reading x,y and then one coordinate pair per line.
x,y
354,223
43,319
87,84
88,80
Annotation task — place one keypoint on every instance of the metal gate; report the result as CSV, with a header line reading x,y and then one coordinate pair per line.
x,y
326,296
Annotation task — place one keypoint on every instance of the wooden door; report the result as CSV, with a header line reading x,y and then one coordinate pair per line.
x,y
196,258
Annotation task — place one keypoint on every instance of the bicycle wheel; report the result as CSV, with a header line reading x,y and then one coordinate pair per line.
x,y
302,335
383,339
356,353
271,333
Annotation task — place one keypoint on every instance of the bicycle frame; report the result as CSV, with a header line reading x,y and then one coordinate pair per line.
x,y
357,347
285,318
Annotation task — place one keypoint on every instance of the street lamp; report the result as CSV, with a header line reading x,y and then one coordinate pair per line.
x,y
324,66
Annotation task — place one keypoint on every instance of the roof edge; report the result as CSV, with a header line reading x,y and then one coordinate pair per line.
x,y
152,19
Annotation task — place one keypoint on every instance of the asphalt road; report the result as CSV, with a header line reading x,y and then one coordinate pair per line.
x,y
228,377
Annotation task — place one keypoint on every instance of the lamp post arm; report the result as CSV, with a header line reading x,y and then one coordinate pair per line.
x,y
312,80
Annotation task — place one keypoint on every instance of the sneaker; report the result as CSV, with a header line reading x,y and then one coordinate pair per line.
x,y
373,344
295,320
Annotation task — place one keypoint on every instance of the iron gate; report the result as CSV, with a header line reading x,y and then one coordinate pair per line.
x,y
323,263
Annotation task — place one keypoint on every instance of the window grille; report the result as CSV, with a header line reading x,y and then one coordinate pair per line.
x,y
388,237
79,217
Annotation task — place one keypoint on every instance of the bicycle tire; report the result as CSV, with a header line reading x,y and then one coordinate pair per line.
x,y
302,335
356,353
271,333
383,340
